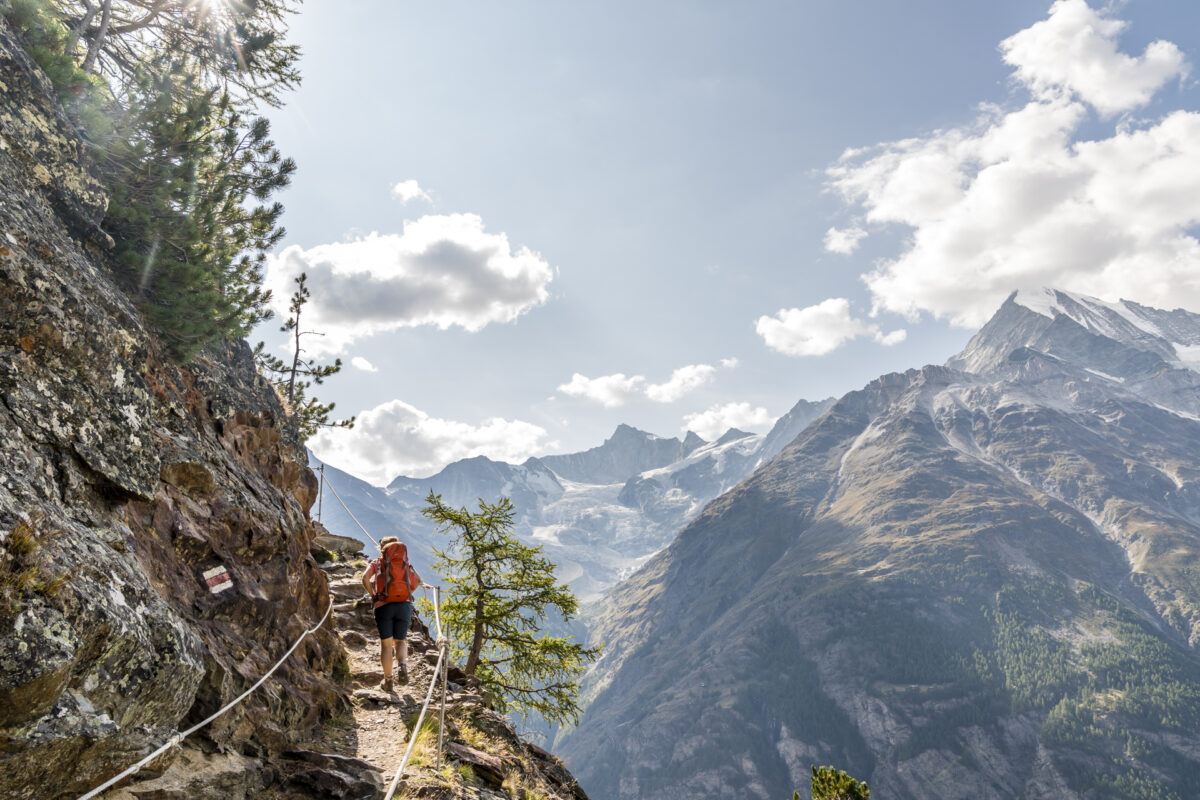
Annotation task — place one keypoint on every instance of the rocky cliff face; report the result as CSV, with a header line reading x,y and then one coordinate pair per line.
x,y
966,581
124,479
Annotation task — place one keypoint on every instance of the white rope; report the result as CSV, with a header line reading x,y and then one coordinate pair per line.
x,y
351,513
437,610
436,602
421,718
179,737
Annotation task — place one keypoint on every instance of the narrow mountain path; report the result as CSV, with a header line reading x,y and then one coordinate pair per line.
x,y
483,755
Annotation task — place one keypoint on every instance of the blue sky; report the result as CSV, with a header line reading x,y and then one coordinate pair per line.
x,y
537,220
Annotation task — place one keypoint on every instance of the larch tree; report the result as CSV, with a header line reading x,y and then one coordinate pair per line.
x,y
502,596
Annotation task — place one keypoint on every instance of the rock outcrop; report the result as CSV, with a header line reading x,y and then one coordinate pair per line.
x,y
125,479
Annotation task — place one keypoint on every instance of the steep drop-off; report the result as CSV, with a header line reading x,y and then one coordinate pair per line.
x,y
955,584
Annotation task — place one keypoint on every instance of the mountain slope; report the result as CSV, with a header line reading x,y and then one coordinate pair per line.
x,y
954,584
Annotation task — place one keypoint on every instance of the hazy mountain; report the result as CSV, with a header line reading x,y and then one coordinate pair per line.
x,y
967,581
599,514
627,452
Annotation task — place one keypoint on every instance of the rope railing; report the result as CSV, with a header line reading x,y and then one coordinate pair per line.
x,y
443,648
179,737
351,513
440,674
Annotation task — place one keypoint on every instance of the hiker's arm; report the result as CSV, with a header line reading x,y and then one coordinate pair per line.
x,y
366,582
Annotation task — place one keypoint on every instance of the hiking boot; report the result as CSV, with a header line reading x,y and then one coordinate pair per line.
x,y
402,675
385,685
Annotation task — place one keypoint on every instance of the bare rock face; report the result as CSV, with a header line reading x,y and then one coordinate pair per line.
x,y
133,477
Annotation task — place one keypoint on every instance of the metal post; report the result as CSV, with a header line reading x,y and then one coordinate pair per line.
x,y
442,726
321,492
445,661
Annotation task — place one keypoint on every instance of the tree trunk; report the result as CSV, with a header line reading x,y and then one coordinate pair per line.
x,y
295,364
77,31
94,46
477,638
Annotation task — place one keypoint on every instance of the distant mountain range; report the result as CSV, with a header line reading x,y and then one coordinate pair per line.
x,y
599,514
978,580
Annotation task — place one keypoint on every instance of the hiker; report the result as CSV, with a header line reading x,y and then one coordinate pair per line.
x,y
391,581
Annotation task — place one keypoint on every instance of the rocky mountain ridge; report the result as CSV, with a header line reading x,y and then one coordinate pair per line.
x,y
599,514
974,580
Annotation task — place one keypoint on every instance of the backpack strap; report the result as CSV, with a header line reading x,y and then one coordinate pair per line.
x,y
385,566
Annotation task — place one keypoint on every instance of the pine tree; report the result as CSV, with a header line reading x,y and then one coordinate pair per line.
x,y
502,594
293,380
829,783
185,170
237,46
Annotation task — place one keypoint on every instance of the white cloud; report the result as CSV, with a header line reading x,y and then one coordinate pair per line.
x,y
710,424
729,363
844,241
894,337
608,390
1016,200
397,439
820,329
358,362
682,381
443,270
618,389
409,190
1075,50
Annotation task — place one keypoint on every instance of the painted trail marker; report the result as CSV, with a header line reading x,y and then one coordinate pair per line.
x,y
218,580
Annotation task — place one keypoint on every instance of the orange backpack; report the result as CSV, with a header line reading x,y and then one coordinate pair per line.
x,y
395,578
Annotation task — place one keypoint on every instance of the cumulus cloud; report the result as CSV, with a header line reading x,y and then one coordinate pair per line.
x,y
618,389
820,329
608,390
1016,200
396,438
1075,51
844,241
713,422
682,381
409,190
358,362
443,270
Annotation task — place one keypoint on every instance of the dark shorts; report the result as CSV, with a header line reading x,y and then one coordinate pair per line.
x,y
392,620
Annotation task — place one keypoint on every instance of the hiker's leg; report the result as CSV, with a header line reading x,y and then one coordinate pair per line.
x,y
385,656
405,617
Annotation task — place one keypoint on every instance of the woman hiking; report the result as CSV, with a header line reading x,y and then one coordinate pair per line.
x,y
390,580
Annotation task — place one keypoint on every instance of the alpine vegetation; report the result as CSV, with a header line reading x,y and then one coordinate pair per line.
x,y
503,594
